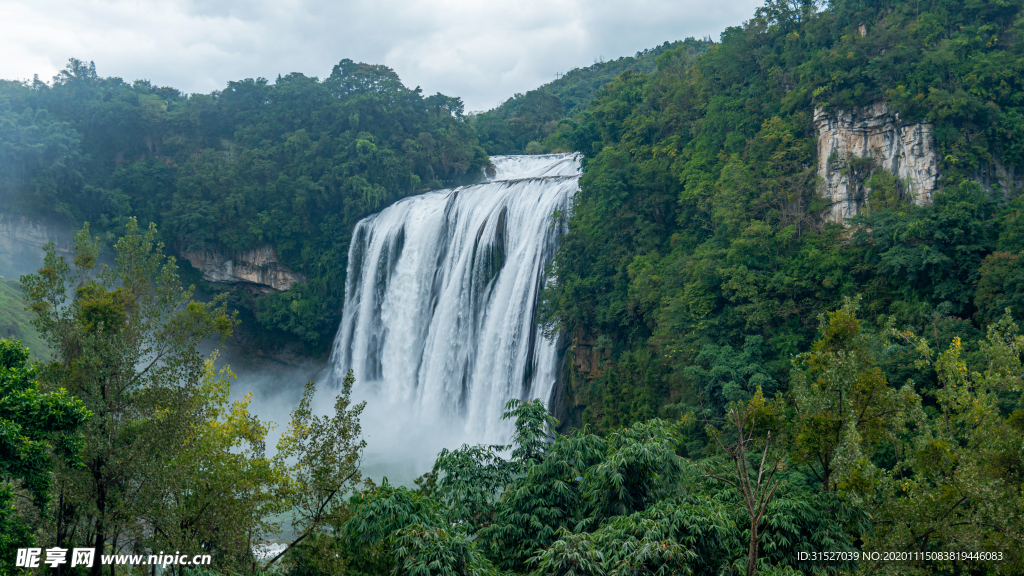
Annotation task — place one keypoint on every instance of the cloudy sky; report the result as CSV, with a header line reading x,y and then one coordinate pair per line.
x,y
482,51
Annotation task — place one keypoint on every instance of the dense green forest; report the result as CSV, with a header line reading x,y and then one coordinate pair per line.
x,y
293,163
522,123
765,383
697,259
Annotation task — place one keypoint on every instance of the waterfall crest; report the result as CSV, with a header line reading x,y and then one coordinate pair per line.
x,y
439,324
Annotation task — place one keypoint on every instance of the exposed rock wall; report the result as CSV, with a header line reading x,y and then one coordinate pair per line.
x,y
908,151
587,356
21,252
22,240
992,175
257,268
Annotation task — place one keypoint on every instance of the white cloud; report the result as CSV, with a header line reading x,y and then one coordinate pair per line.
x,y
480,51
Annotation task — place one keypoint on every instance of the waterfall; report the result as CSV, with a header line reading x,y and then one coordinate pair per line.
x,y
439,322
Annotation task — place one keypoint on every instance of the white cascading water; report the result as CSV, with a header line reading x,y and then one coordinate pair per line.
x,y
439,324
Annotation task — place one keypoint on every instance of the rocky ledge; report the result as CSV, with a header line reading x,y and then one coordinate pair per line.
x,y
22,240
907,151
258,268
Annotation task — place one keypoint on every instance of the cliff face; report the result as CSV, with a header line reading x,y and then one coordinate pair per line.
x,y
21,244
258,269
991,174
587,356
21,252
908,151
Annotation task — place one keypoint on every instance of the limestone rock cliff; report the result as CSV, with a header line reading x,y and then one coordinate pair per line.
x,y
907,151
22,240
258,269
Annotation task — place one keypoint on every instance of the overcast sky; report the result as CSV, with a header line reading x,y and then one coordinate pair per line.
x,y
482,51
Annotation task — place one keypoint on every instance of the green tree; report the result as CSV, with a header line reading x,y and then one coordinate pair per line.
x,y
845,408
218,492
41,164
547,498
379,516
33,426
437,551
125,344
725,375
327,451
470,481
1000,286
956,482
571,555
639,468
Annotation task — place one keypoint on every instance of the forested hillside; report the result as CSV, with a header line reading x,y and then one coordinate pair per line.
x,y
522,123
698,258
293,163
16,320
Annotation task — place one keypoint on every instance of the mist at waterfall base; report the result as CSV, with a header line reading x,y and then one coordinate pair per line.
x,y
439,321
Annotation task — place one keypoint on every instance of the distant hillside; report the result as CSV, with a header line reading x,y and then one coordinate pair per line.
x,y
523,122
579,86
16,321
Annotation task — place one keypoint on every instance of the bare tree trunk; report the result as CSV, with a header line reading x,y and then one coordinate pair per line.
x,y
752,549
101,508
97,566
756,494
113,550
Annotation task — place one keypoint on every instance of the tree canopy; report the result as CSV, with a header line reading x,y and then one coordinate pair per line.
x,y
293,163
697,259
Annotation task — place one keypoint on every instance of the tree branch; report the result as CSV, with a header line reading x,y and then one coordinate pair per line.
x,y
316,517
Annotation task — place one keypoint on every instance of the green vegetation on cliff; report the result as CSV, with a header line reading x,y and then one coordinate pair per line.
x,y
293,163
16,320
698,260
523,122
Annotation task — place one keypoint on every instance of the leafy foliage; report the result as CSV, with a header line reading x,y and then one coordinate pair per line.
x,y
952,485
697,259
381,513
698,275
327,452
538,121
845,405
33,425
124,343
219,488
293,164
